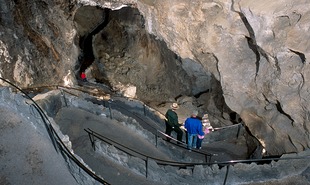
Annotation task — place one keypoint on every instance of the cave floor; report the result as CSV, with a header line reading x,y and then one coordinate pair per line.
x,y
113,172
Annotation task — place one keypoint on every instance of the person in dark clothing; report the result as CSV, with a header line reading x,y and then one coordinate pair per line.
x,y
172,122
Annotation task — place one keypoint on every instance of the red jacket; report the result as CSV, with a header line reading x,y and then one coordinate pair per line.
x,y
83,75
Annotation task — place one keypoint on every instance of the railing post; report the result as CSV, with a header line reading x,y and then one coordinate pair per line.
x,y
144,110
238,131
92,140
63,95
110,108
227,171
146,167
156,138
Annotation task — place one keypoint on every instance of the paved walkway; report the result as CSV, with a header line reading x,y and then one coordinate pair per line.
x,y
73,121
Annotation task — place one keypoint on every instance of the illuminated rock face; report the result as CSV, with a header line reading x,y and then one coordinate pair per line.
x,y
37,42
251,54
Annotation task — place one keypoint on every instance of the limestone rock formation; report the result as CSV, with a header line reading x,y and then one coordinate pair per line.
x,y
245,56
37,42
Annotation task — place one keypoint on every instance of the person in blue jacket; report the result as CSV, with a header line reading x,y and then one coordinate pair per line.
x,y
194,127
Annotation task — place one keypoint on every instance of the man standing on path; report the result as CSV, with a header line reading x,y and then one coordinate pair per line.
x,y
172,122
194,127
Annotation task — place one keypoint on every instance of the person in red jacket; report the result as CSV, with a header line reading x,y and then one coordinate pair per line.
x,y
83,76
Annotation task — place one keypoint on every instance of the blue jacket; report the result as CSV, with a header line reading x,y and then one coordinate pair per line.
x,y
193,126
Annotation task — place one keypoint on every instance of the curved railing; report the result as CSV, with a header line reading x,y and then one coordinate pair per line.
x,y
93,134
56,140
144,157
145,109
157,133
145,106
149,109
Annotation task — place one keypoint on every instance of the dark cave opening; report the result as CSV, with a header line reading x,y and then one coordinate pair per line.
x,y
86,42
121,35
90,21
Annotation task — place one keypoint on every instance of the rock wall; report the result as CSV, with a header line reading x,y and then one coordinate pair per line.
x,y
256,51
36,42
127,54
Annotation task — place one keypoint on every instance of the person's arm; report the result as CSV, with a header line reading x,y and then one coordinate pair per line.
x,y
186,124
200,131
211,128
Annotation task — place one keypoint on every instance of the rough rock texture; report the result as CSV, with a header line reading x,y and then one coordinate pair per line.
x,y
256,53
132,56
28,155
36,42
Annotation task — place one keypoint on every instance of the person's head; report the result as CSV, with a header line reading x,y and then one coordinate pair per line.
x,y
194,113
205,116
174,106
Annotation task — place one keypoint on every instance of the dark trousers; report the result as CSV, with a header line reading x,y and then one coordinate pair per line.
x,y
199,141
179,132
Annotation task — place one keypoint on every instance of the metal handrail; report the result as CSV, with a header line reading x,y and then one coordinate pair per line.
x,y
229,126
227,163
162,133
56,140
231,162
56,86
120,146
158,131
132,152
206,154
92,134
215,129
178,164
143,104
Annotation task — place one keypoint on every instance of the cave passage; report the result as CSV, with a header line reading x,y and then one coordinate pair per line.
x,y
119,50
85,42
